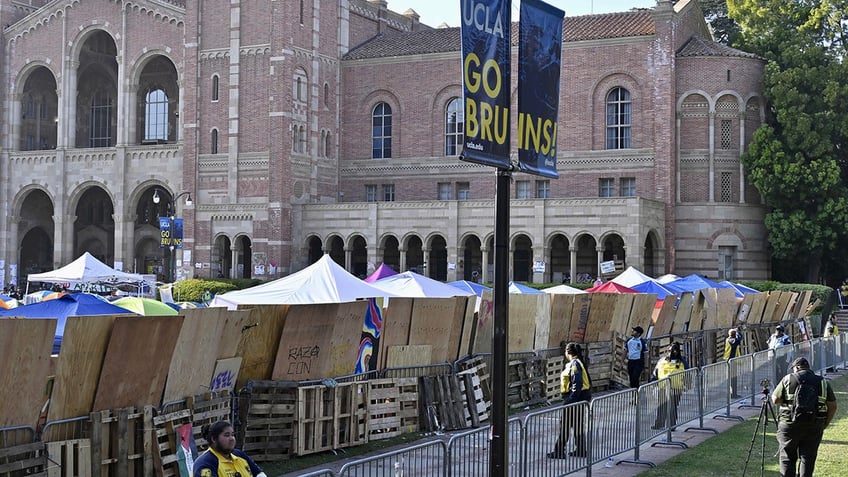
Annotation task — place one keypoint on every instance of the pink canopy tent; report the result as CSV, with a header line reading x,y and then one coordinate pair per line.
x,y
382,271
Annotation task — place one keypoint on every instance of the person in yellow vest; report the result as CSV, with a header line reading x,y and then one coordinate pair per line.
x,y
575,387
670,366
731,350
830,328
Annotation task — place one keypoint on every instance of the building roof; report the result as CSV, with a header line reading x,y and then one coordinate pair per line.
x,y
443,40
697,46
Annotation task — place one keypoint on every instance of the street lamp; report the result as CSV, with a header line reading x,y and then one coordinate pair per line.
x,y
171,238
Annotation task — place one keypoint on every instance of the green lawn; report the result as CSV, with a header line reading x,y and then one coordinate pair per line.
x,y
726,453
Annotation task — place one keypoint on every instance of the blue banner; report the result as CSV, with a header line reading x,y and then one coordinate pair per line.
x,y
486,83
539,63
170,232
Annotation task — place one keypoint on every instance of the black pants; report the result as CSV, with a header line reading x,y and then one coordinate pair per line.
x,y
573,418
798,442
672,398
634,371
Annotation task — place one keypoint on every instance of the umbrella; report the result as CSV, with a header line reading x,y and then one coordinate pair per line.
x,y
472,287
145,306
72,304
7,302
515,287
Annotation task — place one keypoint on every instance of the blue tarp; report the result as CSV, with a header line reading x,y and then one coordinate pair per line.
x,y
73,304
691,283
653,287
472,287
741,290
515,287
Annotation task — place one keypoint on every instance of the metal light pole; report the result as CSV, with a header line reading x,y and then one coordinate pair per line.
x,y
171,241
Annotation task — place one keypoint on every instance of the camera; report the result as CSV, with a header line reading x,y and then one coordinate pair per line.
x,y
765,383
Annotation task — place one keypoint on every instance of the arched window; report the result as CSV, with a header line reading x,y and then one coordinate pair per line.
x,y
454,127
327,145
618,119
100,122
214,143
300,82
326,95
301,12
156,115
381,132
214,87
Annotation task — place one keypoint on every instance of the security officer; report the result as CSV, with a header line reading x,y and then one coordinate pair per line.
x,y
635,349
731,350
801,439
575,387
670,366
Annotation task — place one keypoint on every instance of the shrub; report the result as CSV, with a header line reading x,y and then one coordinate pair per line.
x,y
193,289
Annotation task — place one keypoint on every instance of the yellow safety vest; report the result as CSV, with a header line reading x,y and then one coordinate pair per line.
x,y
666,368
565,386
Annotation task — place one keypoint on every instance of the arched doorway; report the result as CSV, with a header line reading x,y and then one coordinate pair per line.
x,y
437,263
472,257
36,236
391,252
359,257
244,257
587,259
560,260
522,258
414,255
650,255
94,228
316,249
337,252
222,257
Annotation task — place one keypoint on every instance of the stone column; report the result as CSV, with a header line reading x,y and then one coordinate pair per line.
x,y
484,272
540,253
573,270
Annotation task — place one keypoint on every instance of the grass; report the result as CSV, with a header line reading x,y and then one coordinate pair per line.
x,y
726,453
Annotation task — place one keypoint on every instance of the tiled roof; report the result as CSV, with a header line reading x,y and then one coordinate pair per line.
x,y
697,46
440,40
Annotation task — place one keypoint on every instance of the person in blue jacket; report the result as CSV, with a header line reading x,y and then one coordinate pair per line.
x,y
222,459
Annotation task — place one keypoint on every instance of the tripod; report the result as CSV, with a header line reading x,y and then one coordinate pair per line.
x,y
765,409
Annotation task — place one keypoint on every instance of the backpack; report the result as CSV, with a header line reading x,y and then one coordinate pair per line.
x,y
805,401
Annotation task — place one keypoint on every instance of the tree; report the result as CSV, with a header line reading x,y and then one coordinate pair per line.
x,y
725,29
797,160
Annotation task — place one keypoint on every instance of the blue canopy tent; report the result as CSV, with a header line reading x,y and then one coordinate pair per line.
x,y
72,304
741,290
691,283
472,287
653,287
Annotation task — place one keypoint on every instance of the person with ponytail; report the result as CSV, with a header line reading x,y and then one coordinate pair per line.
x,y
575,387
222,459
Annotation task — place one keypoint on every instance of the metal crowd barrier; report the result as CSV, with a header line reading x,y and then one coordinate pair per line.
x,y
16,435
65,429
468,452
429,459
439,369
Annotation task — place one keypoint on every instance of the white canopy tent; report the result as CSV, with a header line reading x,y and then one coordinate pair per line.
x,y
411,284
631,277
86,270
324,281
563,290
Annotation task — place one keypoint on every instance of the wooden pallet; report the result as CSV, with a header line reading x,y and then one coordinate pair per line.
x,y
392,407
408,398
331,417
601,357
71,458
165,449
525,385
118,443
478,366
23,460
443,403
350,416
553,378
477,406
267,415
208,408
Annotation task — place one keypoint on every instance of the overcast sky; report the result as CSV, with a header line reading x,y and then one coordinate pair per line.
x,y
435,12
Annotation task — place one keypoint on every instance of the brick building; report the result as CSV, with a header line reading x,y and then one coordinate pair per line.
x,y
299,128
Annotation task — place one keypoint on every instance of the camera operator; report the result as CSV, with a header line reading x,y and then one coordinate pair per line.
x,y
799,437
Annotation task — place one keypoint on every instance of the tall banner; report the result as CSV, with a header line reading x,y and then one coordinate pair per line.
x,y
539,63
486,81
170,232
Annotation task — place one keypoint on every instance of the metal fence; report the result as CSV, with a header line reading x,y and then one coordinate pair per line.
x,y
614,425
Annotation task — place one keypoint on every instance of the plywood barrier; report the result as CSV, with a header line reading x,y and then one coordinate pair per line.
x,y
438,322
260,341
396,321
28,369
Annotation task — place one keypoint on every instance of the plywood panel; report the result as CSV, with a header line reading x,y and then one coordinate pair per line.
x,y
25,346
561,306
703,310
772,304
744,309
728,307
260,341
485,324
580,317
320,341
469,322
683,313
137,360
543,321
435,321
79,363
396,320
233,325
195,355
644,305
522,321
401,356
621,313
788,304
600,317
665,318
803,307
758,306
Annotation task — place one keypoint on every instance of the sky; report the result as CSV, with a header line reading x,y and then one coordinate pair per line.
x,y
434,12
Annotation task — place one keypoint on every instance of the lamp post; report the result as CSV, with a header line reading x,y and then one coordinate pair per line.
x,y
169,237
